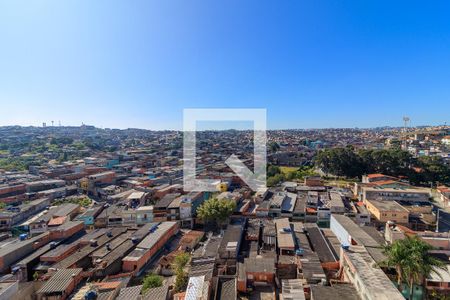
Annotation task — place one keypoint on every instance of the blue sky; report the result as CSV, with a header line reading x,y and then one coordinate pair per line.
x,y
310,63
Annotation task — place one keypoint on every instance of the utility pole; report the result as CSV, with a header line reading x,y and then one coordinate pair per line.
x,y
406,121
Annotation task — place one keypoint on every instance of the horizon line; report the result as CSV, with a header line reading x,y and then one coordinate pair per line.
x,y
269,129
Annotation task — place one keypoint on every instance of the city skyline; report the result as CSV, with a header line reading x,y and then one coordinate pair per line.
x,y
233,127
311,65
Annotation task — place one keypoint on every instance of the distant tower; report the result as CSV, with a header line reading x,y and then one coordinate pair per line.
x,y
52,123
44,124
59,123
406,122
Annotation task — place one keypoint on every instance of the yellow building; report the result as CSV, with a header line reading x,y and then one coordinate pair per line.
x,y
387,210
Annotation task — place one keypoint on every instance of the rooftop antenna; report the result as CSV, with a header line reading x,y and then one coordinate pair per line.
x,y
406,122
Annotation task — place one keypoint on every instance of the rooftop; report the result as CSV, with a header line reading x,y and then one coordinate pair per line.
x,y
387,206
338,291
439,275
166,200
292,289
60,281
319,244
129,293
284,235
372,277
226,289
259,264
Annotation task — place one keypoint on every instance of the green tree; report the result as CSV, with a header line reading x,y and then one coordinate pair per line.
x,y
35,276
390,162
85,201
340,162
395,162
410,257
181,281
397,255
181,261
274,180
215,210
274,147
301,173
432,169
13,164
273,170
152,281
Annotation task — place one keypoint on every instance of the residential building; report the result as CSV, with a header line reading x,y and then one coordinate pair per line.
x,y
144,214
385,211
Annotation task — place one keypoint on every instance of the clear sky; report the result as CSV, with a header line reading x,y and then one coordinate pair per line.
x,y
311,63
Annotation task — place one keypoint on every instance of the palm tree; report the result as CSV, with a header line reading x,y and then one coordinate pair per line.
x,y
411,261
425,264
396,258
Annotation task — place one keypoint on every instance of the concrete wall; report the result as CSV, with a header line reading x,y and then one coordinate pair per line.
x,y
339,231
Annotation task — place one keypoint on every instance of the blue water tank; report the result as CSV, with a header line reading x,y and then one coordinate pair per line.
x,y
345,246
90,295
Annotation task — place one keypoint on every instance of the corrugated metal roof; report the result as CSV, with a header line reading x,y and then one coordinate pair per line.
x,y
17,244
150,240
159,293
228,289
59,281
129,293
195,288
292,289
